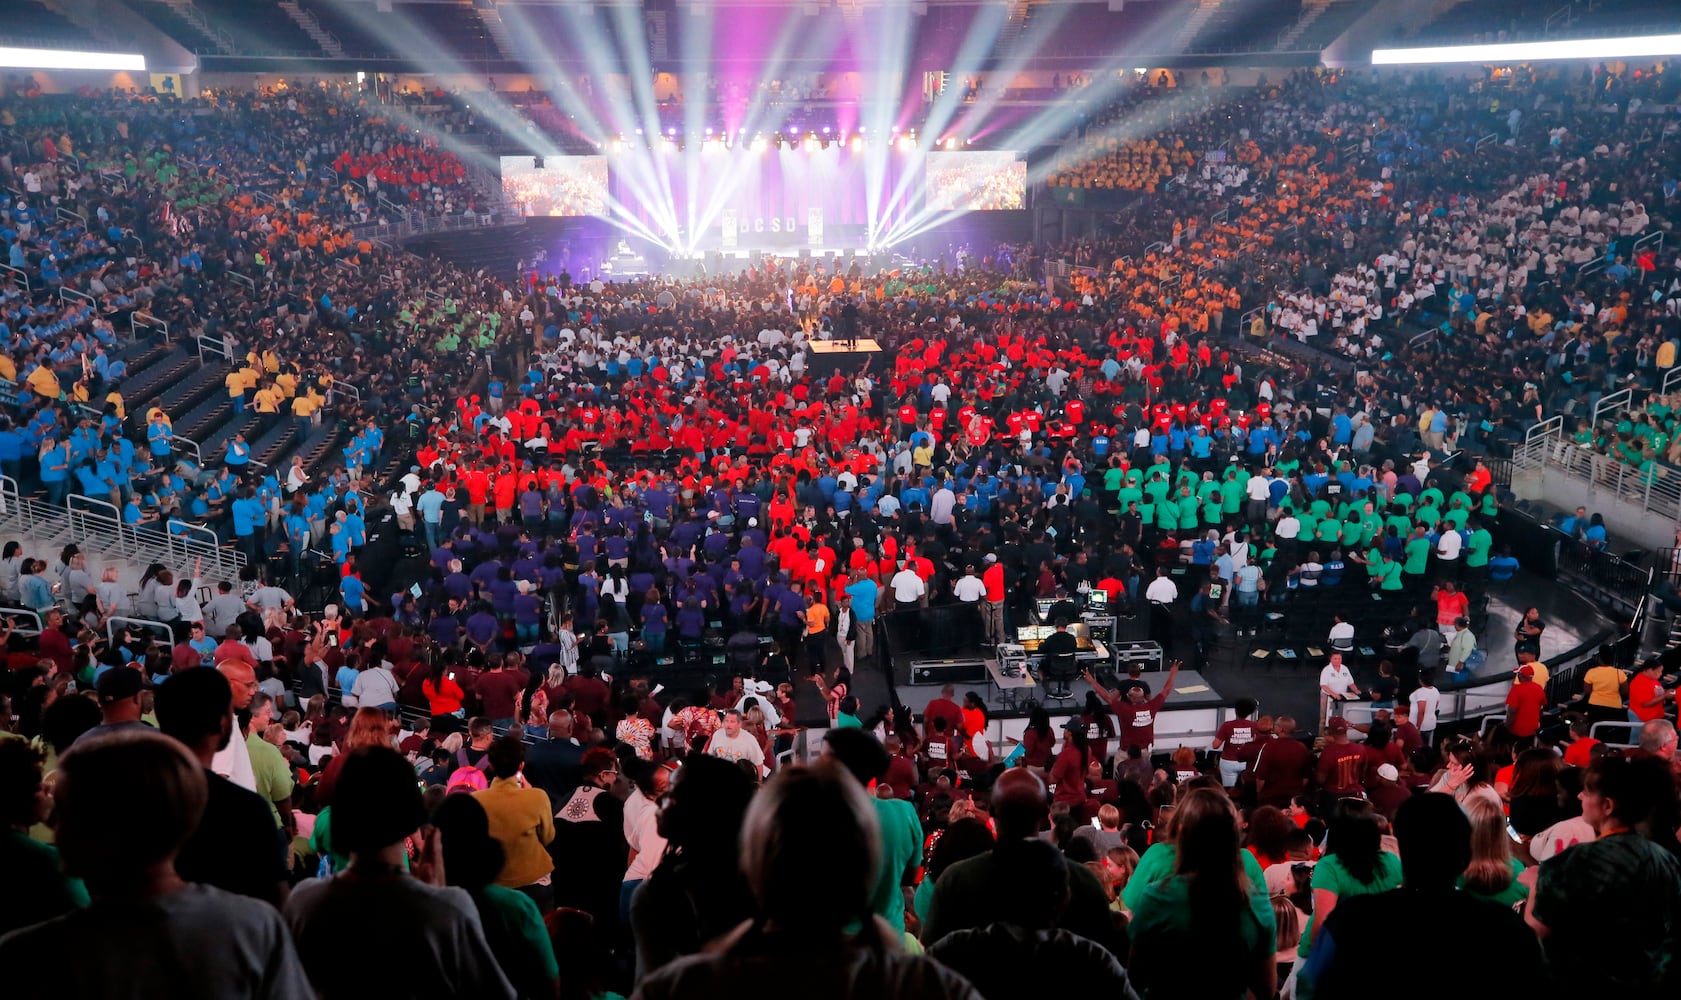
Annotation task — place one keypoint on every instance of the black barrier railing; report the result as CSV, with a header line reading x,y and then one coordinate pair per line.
x,y
1609,580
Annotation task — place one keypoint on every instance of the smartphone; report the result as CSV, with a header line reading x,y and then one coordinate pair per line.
x,y
1517,838
332,638
415,589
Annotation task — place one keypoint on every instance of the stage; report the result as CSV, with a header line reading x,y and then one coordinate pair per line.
x,y
826,357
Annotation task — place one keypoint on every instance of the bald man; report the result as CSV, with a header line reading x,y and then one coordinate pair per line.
x,y
233,761
983,890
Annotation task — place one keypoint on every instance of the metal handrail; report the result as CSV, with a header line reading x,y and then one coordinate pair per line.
x,y
147,624
138,321
65,294
24,629
20,277
1611,403
219,346
188,539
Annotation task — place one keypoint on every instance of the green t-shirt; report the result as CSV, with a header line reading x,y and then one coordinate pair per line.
x,y
1509,897
1167,516
36,888
274,778
1418,556
1157,864
1112,477
1481,542
516,934
1165,926
1330,875
901,848
1391,575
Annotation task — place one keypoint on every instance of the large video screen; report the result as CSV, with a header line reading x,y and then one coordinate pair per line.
x,y
562,186
977,181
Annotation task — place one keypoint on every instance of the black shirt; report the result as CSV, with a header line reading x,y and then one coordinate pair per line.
x,y
238,846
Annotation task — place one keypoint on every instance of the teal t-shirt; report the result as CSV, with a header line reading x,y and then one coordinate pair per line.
x,y
901,848
1330,875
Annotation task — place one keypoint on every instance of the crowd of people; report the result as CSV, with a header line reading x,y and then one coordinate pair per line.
x,y
483,776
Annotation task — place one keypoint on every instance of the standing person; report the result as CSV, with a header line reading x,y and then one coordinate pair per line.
x,y
1283,765
1524,703
1160,594
1235,742
157,934
992,609
1336,683
522,821
238,845
863,592
1135,716
815,618
846,632
811,830
1424,703
1607,910
1527,635
1206,907
901,830
733,745
1435,841
380,906
909,592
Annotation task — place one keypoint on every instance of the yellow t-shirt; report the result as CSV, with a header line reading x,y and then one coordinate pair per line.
x,y
816,619
8,368
1666,354
1603,684
303,406
43,382
1541,672
267,400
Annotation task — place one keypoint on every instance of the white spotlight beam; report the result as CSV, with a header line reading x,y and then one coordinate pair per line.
x,y
1630,47
14,58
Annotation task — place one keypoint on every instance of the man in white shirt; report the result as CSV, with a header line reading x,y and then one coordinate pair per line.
x,y
731,744
1336,683
908,588
1422,705
1258,490
1447,552
1160,595
942,505
233,761
969,589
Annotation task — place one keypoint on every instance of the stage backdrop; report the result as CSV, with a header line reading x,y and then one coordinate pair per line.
x,y
768,198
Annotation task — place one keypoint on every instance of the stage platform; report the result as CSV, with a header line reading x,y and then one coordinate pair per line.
x,y
824,358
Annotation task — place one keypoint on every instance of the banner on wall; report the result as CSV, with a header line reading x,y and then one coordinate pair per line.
x,y
167,83
814,226
729,229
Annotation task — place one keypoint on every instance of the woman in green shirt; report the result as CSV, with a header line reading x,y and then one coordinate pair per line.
x,y
1208,905
1493,873
1356,865
513,927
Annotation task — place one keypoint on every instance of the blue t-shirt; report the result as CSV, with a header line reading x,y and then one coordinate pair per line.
x,y
863,600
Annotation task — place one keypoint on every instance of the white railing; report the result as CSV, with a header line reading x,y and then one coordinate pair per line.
x,y
1655,236
219,347
1670,377
338,389
65,215
1655,491
65,295
243,279
138,321
1612,403
161,629
30,613
190,541
18,276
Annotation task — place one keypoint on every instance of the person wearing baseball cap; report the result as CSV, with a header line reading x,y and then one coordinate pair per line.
x,y
119,702
1386,791
1524,703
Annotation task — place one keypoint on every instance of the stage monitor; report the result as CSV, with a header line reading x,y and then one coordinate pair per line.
x,y
976,181
561,186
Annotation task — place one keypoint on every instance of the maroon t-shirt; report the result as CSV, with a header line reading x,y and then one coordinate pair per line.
x,y
499,692
1342,768
1136,723
942,708
1237,739
589,694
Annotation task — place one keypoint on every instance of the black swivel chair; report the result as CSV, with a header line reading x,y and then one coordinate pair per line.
x,y
1057,673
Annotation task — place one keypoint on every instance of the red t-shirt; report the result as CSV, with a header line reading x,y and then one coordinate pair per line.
x,y
1450,606
1526,699
1641,689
